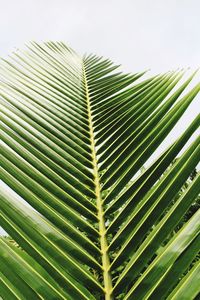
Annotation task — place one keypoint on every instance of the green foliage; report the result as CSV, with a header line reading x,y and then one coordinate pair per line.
x,y
85,220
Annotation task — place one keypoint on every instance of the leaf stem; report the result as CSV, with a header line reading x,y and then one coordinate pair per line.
x,y
102,228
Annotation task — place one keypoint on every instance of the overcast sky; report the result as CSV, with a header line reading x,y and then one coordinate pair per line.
x,y
139,34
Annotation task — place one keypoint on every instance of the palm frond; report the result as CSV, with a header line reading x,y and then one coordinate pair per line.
x,y
74,135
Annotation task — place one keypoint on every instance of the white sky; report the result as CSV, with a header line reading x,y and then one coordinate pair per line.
x,y
139,34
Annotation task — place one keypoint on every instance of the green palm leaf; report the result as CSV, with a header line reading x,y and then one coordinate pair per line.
x,y
74,136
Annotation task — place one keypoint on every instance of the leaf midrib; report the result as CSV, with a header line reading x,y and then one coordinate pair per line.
x,y
99,203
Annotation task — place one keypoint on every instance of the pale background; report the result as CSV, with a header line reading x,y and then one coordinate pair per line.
x,y
139,34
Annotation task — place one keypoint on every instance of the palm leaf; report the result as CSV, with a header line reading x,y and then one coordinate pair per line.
x,y
74,136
